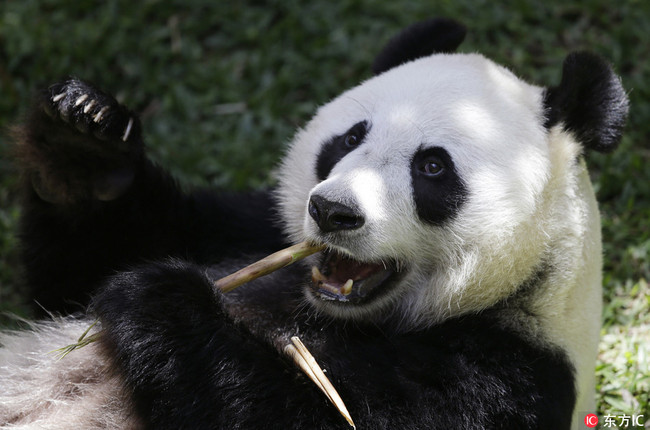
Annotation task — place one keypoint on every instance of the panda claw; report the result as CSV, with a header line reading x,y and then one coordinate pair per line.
x,y
99,115
127,130
58,97
89,106
81,99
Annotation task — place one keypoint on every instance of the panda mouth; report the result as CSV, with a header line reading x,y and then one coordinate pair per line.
x,y
343,279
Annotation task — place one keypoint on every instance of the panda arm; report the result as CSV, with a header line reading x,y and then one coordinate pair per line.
x,y
187,364
93,202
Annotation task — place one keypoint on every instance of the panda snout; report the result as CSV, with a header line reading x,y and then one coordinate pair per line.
x,y
334,216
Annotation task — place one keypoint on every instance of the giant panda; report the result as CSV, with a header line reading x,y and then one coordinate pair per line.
x,y
452,194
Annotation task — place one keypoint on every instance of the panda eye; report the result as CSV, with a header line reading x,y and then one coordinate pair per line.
x,y
351,140
431,167
338,147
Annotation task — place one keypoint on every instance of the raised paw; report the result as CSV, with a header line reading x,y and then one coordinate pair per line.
x,y
89,110
79,144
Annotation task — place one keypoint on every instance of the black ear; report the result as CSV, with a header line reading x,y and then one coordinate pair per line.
x,y
590,102
420,40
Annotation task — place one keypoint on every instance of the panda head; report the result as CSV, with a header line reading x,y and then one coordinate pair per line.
x,y
438,185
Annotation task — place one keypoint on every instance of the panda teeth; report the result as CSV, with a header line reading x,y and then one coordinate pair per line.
x,y
346,289
316,275
321,280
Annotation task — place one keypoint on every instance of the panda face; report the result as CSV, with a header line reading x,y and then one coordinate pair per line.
x,y
422,181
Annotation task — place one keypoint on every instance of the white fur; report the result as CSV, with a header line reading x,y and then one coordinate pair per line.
x,y
570,305
40,390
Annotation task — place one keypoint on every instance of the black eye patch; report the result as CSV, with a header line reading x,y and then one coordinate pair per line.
x,y
338,147
438,191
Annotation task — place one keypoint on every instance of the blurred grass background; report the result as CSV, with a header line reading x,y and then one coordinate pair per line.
x,y
223,85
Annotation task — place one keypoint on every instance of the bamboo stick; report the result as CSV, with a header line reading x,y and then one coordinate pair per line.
x,y
307,363
267,265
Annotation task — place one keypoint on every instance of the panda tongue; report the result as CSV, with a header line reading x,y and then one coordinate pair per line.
x,y
340,269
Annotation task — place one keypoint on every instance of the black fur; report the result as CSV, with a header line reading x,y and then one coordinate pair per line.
x,y
437,198
420,40
190,365
338,147
82,221
590,102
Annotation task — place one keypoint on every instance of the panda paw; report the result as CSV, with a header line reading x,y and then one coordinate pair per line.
x,y
90,111
79,144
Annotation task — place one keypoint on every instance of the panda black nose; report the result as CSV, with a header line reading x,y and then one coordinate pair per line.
x,y
332,216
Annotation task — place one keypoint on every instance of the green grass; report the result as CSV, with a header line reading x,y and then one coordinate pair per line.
x,y
222,87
